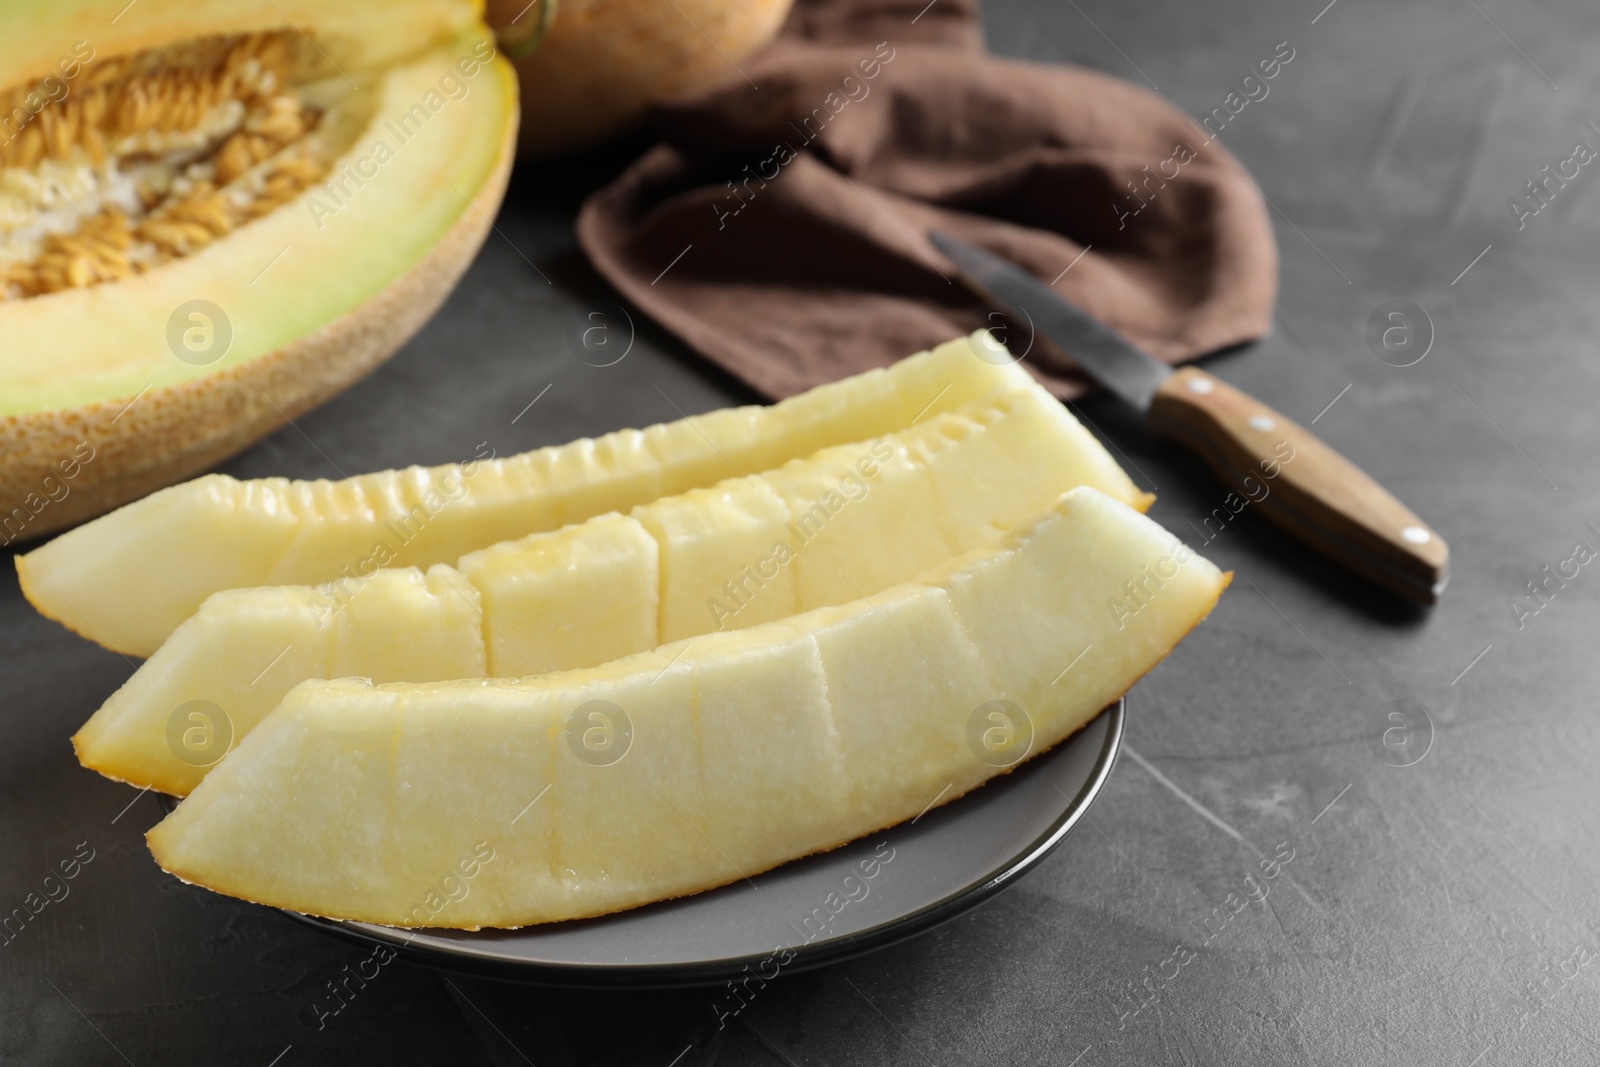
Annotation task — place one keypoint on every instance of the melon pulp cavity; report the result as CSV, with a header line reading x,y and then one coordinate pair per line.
x,y
128,579
715,759
848,521
213,215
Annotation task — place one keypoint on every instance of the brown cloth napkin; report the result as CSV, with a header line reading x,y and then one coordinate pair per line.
x,y
781,229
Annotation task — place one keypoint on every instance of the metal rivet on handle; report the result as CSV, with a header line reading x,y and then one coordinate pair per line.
x,y
1261,422
1201,385
1416,535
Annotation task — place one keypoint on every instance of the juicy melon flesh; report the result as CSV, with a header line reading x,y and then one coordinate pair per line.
x,y
744,749
128,579
575,597
848,521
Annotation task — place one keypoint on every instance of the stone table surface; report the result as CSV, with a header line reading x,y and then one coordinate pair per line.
x,y
1437,913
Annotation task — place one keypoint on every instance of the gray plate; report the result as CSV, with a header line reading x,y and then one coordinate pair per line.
x,y
814,911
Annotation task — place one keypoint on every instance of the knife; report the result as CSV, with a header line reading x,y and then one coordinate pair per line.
x,y
1317,495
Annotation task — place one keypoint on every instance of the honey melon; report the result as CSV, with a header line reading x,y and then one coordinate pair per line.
x,y
214,214
600,64
848,521
716,759
128,579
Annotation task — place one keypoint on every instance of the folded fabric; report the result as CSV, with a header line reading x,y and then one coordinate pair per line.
x,y
781,227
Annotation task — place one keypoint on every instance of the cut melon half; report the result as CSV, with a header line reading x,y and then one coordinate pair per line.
x,y
696,764
214,215
846,522
128,579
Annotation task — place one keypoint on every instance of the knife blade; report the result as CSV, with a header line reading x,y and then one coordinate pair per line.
x,y
1129,372
1296,479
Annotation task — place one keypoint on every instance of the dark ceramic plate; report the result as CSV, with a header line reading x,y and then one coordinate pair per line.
x,y
869,894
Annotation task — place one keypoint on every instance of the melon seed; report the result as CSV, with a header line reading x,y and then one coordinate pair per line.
x,y
148,158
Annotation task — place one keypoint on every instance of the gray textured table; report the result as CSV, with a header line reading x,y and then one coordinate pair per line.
x,y
1438,913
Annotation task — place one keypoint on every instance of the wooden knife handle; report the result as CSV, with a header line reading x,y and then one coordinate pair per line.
x,y
1302,485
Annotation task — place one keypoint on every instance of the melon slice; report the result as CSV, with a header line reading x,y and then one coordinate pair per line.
x,y
214,215
128,579
717,758
848,521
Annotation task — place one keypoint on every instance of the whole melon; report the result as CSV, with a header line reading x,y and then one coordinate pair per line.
x,y
602,63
